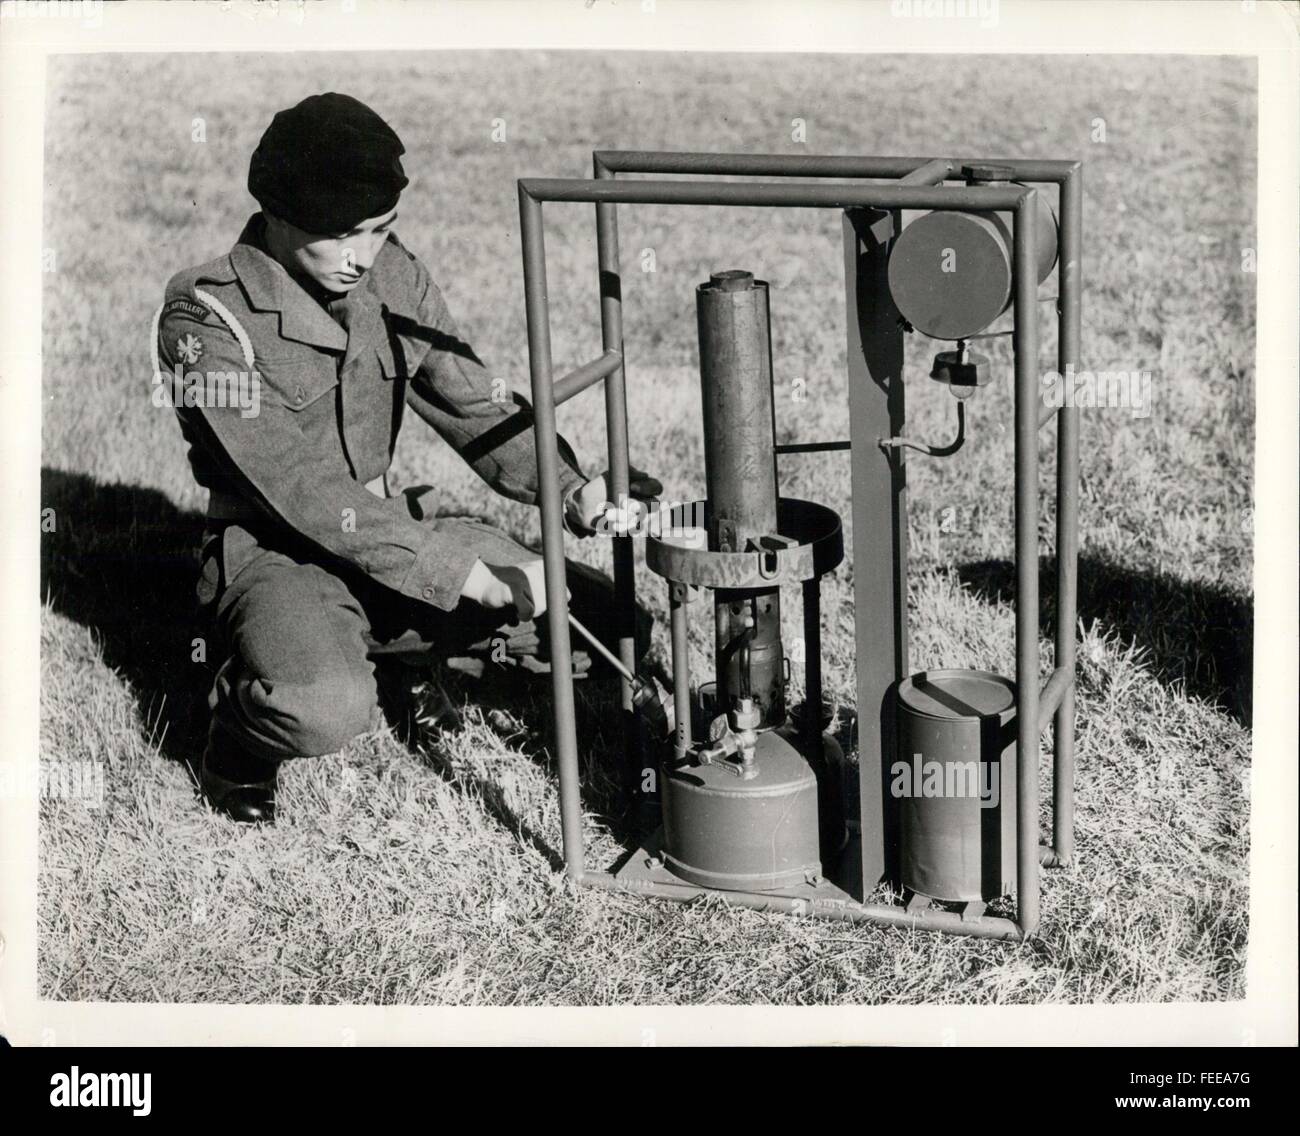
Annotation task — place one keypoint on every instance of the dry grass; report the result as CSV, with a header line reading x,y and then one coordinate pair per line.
x,y
402,877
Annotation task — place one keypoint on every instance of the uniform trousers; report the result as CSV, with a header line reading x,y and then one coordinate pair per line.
x,y
297,639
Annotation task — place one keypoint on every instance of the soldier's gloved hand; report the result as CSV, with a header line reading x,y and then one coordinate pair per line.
x,y
518,593
590,508
521,586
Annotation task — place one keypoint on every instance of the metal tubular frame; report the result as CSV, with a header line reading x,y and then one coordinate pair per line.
x,y
918,186
580,378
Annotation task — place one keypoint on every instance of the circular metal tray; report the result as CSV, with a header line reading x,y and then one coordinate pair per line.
x,y
814,533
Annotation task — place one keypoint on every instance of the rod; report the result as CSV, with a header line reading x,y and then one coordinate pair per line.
x,y
812,635
548,491
932,173
580,378
812,165
1025,341
929,919
611,334
1067,513
681,647
812,447
605,653
1061,681
809,195
759,165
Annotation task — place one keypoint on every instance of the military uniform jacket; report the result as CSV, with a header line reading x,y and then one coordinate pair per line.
x,y
332,387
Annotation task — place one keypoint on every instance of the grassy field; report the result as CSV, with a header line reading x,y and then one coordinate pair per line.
x,y
396,876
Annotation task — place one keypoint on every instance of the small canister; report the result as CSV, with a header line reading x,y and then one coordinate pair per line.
x,y
954,780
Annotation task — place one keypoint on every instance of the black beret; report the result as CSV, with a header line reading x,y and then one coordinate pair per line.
x,y
326,164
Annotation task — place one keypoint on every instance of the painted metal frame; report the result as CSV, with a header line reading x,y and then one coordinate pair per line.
x,y
918,184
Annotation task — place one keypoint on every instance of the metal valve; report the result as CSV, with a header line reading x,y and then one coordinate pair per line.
x,y
718,755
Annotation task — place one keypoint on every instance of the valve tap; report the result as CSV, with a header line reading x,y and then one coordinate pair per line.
x,y
746,717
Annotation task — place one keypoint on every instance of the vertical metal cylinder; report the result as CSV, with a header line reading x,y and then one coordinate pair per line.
x,y
955,783
812,643
1067,516
740,474
611,329
538,318
1025,345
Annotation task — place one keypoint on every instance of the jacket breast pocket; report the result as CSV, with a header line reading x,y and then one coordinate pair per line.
x,y
300,385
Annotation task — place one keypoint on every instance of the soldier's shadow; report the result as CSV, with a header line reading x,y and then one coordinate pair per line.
x,y
122,560
1197,636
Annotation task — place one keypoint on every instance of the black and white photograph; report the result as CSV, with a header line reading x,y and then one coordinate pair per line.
x,y
652,508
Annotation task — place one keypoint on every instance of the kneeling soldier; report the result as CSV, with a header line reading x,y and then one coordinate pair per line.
x,y
310,569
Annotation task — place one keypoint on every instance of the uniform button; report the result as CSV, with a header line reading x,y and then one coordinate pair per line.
x,y
299,394
427,593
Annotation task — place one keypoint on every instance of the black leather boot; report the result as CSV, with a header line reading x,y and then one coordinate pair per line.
x,y
237,783
414,702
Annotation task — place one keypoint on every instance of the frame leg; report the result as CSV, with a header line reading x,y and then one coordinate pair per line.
x,y
1025,340
548,481
1067,518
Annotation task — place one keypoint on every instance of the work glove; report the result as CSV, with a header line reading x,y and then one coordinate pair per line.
x,y
521,587
513,597
589,509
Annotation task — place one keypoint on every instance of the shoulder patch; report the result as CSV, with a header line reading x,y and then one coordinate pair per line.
x,y
188,349
191,308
